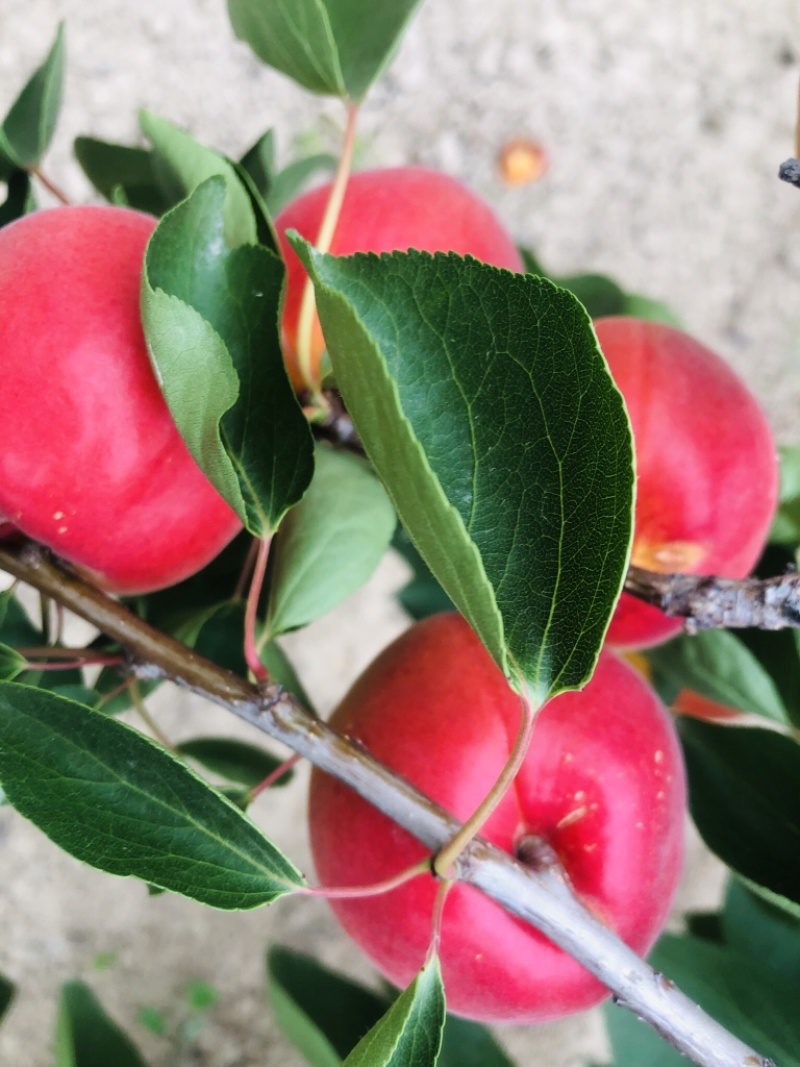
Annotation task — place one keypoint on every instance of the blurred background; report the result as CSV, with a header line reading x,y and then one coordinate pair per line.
x,y
662,131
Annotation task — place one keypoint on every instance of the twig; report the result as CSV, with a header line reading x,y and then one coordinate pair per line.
x,y
539,893
708,603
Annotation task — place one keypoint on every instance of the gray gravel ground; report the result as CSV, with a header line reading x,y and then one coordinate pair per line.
x,y
665,127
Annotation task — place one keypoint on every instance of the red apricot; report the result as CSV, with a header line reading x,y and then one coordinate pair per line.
x,y
603,784
91,463
383,211
707,471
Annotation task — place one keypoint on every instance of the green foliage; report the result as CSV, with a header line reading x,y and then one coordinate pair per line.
x,y
127,174
422,595
718,665
410,1033
744,799
11,663
7,991
237,761
27,129
335,47
489,414
325,1015
86,1036
330,544
19,197
786,525
112,798
212,311
734,988
602,296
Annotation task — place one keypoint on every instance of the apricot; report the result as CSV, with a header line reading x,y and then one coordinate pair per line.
x,y
92,464
388,210
603,784
706,461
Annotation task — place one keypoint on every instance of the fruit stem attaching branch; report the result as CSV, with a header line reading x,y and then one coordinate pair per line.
x,y
251,656
50,186
707,602
305,321
538,894
472,827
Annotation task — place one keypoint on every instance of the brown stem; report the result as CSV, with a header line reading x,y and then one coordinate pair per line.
x,y
540,896
50,186
707,602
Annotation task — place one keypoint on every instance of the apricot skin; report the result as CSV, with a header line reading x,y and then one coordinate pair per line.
x,y
91,462
603,784
707,467
395,208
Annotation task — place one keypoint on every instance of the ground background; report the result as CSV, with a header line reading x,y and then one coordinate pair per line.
x,y
665,127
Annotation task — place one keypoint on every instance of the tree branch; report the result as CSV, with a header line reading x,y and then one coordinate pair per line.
x,y
707,602
537,891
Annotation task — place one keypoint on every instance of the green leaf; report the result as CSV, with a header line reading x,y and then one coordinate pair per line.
x,y
716,664
86,1036
211,314
422,595
322,1013
11,663
259,162
410,1033
7,992
751,924
786,524
334,47
489,414
114,799
28,128
644,307
237,761
191,164
282,671
735,989
468,1044
219,636
19,199
114,168
330,544
290,181
744,796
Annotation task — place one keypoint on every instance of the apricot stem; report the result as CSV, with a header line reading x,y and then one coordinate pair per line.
x,y
49,185
353,892
445,858
145,716
305,321
273,777
251,656
436,920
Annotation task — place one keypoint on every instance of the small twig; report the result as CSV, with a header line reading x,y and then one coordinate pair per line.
x,y
50,186
708,603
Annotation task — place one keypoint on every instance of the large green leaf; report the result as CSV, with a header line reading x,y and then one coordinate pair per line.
x,y
86,1036
735,989
716,664
114,799
744,794
330,544
336,47
28,128
410,1033
488,411
211,314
